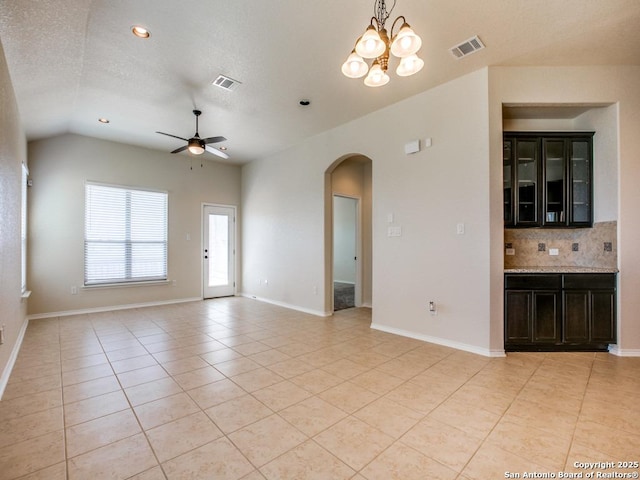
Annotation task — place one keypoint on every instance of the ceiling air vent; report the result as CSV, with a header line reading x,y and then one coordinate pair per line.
x,y
467,47
226,83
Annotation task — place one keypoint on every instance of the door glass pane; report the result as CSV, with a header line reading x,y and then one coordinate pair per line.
x,y
527,178
554,180
580,197
218,250
506,181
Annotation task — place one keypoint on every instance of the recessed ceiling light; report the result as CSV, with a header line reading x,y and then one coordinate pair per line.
x,y
103,120
223,148
140,32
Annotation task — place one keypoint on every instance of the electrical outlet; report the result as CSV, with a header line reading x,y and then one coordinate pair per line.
x,y
432,307
74,290
2,335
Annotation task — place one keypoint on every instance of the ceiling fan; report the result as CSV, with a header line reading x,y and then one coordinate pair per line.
x,y
197,145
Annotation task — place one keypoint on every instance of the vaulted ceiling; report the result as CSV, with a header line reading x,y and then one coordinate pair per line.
x,y
73,61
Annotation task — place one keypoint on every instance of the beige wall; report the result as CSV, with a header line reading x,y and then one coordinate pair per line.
x,y
60,166
427,193
457,180
12,155
598,86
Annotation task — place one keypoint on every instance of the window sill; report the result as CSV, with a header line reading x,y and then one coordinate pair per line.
x,y
151,283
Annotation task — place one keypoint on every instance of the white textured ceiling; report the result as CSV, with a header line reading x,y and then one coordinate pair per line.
x,y
72,61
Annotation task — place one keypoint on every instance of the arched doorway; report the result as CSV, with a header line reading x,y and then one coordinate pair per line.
x,y
348,187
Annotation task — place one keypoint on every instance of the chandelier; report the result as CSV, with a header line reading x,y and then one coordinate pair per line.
x,y
375,44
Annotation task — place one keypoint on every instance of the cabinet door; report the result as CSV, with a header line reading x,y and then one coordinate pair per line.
x,y
546,315
526,179
580,188
517,316
554,195
576,316
507,180
603,316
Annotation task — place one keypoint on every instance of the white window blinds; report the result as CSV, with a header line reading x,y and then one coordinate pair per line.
x,y
125,236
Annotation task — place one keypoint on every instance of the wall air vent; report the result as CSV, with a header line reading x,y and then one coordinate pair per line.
x,y
467,47
226,83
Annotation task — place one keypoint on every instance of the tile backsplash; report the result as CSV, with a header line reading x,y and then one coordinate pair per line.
x,y
577,247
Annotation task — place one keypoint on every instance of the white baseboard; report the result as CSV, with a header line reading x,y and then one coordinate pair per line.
x,y
111,308
627,352
4,379
317,313
440,341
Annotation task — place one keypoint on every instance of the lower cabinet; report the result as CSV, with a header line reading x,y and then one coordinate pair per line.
x,y
556,312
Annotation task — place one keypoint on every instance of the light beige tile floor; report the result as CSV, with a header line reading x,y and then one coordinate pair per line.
x,y
236,389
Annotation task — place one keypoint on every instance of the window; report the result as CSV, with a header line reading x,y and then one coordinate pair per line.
x,y
125,237
23,226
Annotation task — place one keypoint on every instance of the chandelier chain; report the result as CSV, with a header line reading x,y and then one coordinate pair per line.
x,y
380,12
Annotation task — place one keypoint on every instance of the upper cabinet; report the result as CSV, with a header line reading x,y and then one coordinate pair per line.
x,y
547,179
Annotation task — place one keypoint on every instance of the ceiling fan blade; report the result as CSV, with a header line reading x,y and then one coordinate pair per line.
x,y
181,149
215,151
174,136
213,140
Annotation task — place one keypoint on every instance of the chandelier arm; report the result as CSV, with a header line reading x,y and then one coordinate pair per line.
x,y
393,25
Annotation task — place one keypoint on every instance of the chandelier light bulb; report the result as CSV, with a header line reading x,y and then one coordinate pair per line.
x,y
370,44
354,66
409,65
406,42
377,77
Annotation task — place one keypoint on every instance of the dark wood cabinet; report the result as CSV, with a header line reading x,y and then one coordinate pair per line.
x,y
547,179
554,312
589,308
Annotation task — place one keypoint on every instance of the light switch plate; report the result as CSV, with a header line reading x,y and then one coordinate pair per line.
x,y
394,231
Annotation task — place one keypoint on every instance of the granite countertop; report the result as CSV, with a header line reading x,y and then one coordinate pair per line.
x,y
560,270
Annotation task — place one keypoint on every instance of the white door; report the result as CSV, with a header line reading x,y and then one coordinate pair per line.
x,y
218,226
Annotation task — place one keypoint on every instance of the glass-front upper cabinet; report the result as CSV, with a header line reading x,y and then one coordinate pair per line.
x,y
527,168
580,185
554,206
547,179
507,180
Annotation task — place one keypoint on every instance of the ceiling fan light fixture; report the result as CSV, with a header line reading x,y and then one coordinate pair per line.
x,y
195,147
140,32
